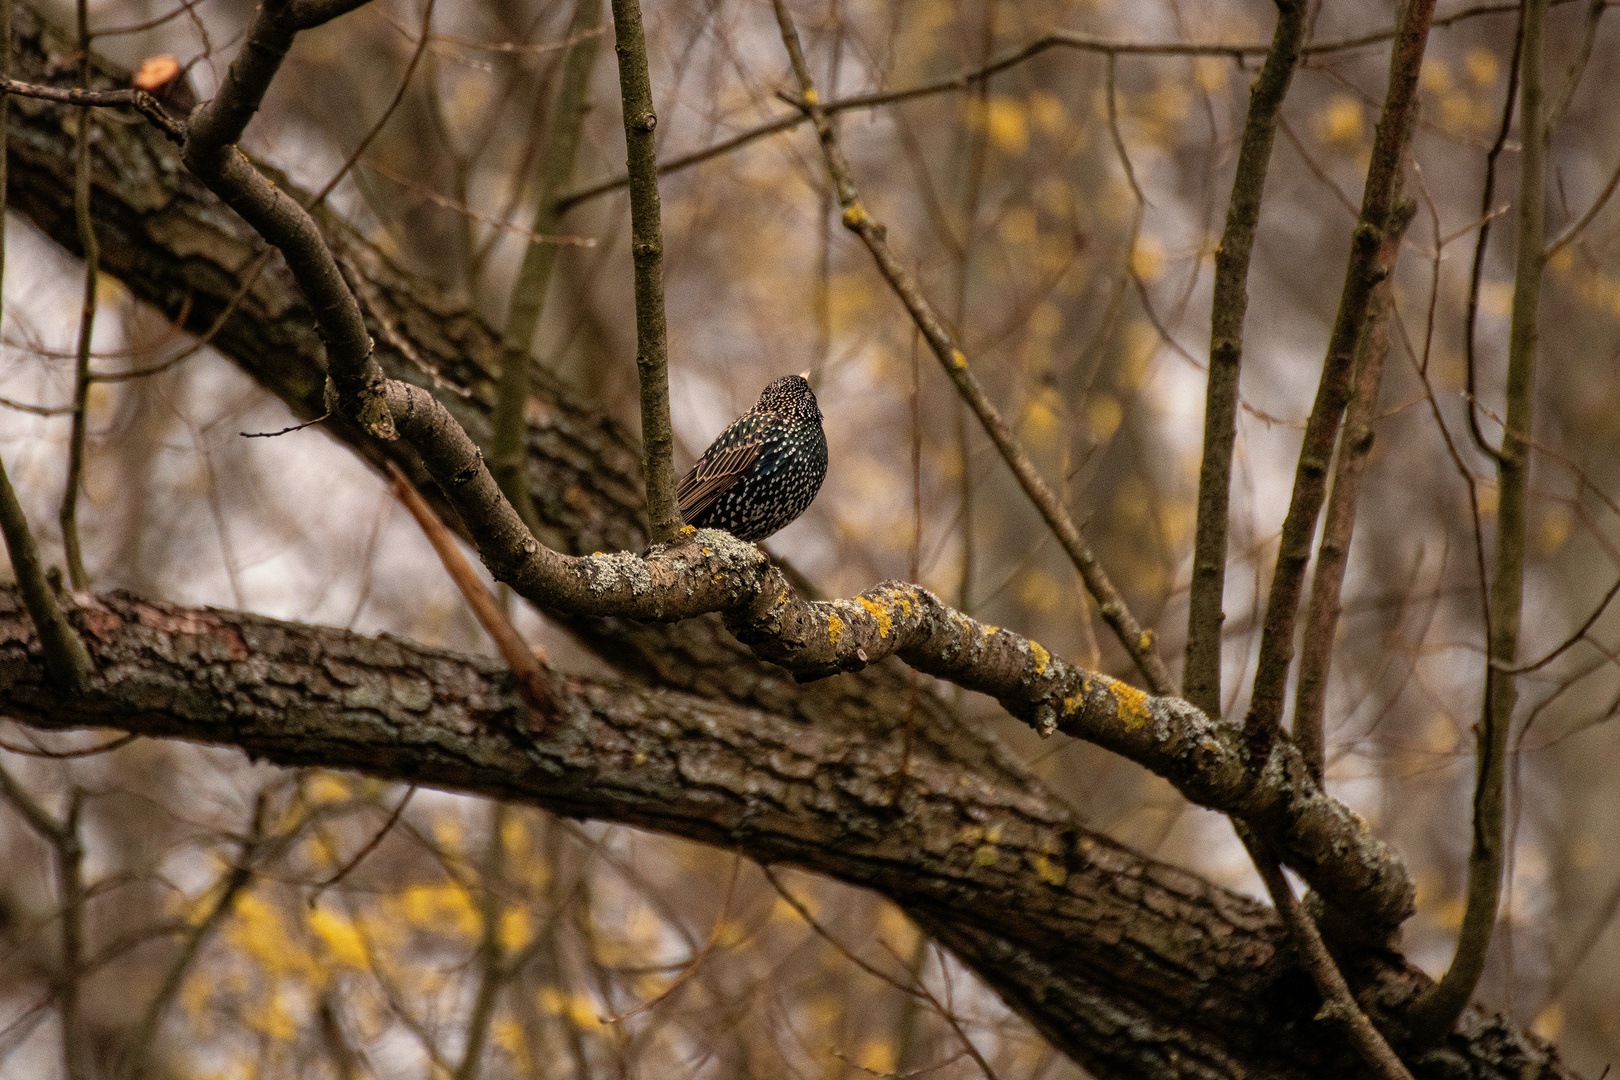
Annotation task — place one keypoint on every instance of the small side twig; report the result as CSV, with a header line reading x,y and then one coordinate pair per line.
x,y
533,682
139,100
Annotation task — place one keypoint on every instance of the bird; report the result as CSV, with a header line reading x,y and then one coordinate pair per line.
x,y
764,470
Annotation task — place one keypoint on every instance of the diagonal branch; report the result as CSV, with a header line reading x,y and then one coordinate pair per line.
x,y
1110,603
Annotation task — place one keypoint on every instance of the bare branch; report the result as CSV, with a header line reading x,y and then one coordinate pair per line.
x,y
1435,1013
647,249
1395,124
1201,681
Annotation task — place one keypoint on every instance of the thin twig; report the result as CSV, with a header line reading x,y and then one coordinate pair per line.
x,y
1476,272
1137,641
139,100
235,880
972,77
917,988
534,684
66,660
69,516
690,968
365,849
492,969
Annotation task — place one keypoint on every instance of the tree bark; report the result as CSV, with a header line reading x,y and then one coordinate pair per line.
x,y
1132,967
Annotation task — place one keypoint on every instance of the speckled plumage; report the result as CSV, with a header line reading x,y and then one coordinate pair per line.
x,y
763,470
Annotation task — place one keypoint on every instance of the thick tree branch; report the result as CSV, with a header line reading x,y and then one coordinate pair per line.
x,y
1101,948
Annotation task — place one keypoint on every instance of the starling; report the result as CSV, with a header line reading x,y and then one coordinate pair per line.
x,y
764,469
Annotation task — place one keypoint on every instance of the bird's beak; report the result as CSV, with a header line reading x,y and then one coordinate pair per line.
x,y
805,375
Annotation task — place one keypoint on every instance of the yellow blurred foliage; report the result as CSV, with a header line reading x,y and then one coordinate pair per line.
x,y
258,930
1342,122
1141,348
1483,67
515,931
580,1010
1006,121
876,1055
1047,113
1147,257
1554,530
1436,75
340,937
436,907
1018,226
1039,423
1440,735
1211,73
1103,416
1039,591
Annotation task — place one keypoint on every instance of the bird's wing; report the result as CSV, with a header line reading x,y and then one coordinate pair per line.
x,y
713,476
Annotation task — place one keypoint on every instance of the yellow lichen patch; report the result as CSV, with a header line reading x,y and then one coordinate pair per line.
x,y
1133,709
879,613
811,97
988,630
971,834
958,359
1042,657
1050,872
855,217
985,856
835,629
1071,705
688,530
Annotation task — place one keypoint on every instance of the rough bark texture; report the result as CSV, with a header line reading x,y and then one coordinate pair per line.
x,y
1133,968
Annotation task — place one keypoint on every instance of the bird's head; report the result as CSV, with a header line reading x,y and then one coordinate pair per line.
x,y
790,397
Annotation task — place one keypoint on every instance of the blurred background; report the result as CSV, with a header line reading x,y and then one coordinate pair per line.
x,y
1073,255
